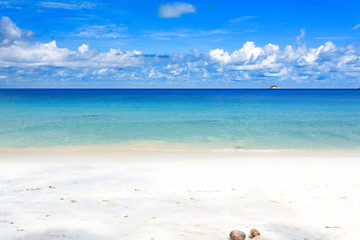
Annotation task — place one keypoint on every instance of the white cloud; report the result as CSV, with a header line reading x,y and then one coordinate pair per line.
x,y
246,53
220,56
68,5
271,49
326,62
175,10
115,58
242,19
302,35
83,48
48,54
283,72
102,31
9,4
356,27
185,33
329,46
246,64
9,32
33,55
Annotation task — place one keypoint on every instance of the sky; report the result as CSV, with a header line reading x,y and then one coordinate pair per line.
x,y
179,44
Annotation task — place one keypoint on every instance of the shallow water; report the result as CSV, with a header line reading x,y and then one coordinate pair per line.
x,y
217,118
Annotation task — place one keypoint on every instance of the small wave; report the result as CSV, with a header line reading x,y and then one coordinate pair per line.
x,y
91,115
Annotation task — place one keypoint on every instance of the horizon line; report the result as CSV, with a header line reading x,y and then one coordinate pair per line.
x,y
267,88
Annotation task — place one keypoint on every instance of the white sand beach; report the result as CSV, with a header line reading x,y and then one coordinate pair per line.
x,y
158,195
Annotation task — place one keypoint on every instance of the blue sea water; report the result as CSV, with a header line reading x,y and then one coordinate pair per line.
x,y
214,118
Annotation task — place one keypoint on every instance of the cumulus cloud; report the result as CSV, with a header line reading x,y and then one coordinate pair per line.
x,y
220,56
246,53
175,10
27,64
33,55
83,48
9,32
48,54
291,64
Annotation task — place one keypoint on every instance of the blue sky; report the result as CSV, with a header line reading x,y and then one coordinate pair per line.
x,y
307,43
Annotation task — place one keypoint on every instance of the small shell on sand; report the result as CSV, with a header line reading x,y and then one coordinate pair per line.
x,y
237,235
253,233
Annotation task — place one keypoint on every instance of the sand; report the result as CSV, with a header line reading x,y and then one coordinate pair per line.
x,y
158,195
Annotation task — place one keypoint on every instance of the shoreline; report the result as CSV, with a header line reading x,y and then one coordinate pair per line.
x,y
163,146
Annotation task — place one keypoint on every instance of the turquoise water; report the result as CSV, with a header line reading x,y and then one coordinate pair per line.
x,y
233,119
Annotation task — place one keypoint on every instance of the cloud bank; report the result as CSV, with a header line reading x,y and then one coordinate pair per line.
x,y
175,10
26,64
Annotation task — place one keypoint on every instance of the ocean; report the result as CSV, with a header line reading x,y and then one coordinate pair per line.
x,y
229,119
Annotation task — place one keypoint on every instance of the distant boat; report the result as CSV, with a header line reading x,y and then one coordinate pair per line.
x,y
273,87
